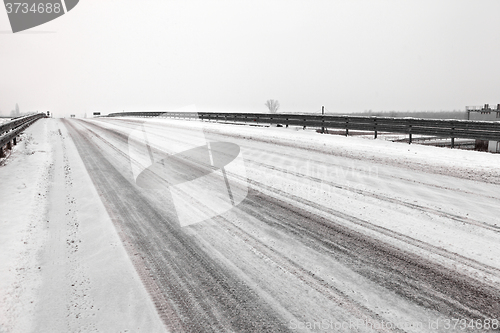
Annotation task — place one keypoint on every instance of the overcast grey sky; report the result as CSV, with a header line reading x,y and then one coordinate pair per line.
x,y
113,55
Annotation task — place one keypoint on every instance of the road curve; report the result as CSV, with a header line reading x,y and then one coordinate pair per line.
x,y
321,241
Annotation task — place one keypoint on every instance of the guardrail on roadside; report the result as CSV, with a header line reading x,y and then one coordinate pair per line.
x,y
10,130
482,130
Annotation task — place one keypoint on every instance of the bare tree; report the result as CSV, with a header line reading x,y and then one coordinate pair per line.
x,y
272,105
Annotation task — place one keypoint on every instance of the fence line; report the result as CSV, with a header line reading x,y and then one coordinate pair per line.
x,y
481,130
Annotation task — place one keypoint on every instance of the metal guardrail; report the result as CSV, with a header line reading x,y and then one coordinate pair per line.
x,y
19,121
16,127
482,130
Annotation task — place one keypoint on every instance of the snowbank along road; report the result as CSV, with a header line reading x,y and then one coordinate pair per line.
x,y
183,226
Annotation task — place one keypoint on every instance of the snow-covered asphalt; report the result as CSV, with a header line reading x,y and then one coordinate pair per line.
x,y
309,232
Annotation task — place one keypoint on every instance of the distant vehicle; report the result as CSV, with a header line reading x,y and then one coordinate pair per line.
x,y
72,116
96,114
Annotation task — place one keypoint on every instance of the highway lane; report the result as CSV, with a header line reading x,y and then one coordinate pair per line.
x,y
307,245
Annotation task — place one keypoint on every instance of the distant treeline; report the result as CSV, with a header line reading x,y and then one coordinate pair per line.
x,y
413,114
416,114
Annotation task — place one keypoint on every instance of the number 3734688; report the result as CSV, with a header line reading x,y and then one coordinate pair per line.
x,y
25,8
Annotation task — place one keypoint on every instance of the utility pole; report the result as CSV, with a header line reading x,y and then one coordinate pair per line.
x,y
323,120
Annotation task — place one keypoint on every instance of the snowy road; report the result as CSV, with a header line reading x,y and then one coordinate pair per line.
x,y
334,234
319,238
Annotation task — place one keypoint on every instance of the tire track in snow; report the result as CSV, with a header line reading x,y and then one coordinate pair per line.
x,y
203,295
382,197
426,283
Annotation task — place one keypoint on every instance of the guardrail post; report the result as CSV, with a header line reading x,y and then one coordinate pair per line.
x,y
304,123
1,152
286,122
15,141
346,126
375,128
410,137
452,137
9,145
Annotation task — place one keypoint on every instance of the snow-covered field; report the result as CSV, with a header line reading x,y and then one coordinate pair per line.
x,y
333,229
